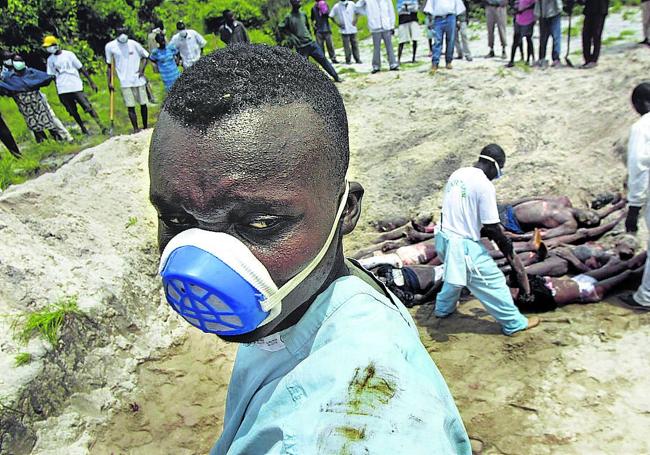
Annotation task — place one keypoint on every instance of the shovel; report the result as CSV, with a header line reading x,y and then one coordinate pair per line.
x,y
568,43
112,99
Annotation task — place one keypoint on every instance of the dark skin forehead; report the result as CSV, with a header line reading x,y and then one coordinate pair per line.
x,y
284,144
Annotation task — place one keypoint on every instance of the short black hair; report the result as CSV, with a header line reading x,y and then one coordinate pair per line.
x,y
495,152
244,76
641,98
180,25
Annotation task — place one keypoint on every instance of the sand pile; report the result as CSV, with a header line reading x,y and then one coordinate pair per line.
x,y
129,378
86,233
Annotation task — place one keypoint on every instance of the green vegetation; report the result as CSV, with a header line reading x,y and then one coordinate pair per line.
x,y
132,222
23,359
623,36
46,322
522,66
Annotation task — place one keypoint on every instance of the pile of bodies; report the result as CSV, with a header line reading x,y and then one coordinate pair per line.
x,y
557,243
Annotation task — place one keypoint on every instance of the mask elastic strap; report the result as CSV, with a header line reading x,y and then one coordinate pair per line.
x,y
489,158
299,278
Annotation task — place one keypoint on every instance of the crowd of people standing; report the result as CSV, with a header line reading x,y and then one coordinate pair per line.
x,y
445,24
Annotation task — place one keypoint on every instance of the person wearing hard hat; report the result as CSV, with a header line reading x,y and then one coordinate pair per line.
x,y
65,67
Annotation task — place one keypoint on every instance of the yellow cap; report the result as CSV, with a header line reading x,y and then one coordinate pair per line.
x,y
49,40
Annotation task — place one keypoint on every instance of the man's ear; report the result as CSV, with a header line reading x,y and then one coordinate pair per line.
x,y
352,208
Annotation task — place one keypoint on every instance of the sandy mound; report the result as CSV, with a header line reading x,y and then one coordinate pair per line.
x,y
129,378
88,231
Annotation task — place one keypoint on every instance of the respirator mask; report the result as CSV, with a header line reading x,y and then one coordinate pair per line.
x,y
216,284
183,34
500,173
122,38
52,49
19,66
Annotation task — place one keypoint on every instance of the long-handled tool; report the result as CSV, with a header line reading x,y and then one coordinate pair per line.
x,y
112,97
568,42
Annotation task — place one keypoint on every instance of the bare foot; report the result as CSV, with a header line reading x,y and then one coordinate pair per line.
x,y
533,321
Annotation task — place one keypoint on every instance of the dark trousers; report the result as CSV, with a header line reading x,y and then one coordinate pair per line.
x,y
351,48
550,27
314,51
592,32
325,39
7,139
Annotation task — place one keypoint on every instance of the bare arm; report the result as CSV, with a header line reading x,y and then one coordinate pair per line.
x,y
495,232
606,211
586,234
109,71
92,84
143,65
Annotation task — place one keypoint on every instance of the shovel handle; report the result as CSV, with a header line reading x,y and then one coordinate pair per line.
x,y
112,92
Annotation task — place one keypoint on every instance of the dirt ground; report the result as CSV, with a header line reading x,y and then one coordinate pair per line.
x,y
575,385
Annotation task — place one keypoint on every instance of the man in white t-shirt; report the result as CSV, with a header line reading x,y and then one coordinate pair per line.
x,y
189,43
344,15
469,206
638,182
130,60
65,66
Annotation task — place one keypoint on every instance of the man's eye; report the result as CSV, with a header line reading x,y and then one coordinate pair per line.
x,y
263,223
178,221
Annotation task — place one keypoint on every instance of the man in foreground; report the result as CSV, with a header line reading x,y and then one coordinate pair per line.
x,y
65,66
469,205
247,165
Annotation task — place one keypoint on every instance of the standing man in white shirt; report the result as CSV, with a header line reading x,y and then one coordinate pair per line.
x,y
189,43
638,171
65,66
381,22
344,15
130,59
443,23
469,206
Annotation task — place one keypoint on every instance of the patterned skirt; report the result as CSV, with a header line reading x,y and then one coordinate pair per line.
x,y
36,110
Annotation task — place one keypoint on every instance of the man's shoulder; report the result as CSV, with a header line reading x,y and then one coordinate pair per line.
x,y
643,122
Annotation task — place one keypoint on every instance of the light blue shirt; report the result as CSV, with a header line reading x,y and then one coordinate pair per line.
x,y
352,376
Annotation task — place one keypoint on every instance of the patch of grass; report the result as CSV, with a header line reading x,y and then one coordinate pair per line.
x,y
630,14
522,66
502,72
23,359
132,222
46,322
417,63
622,36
